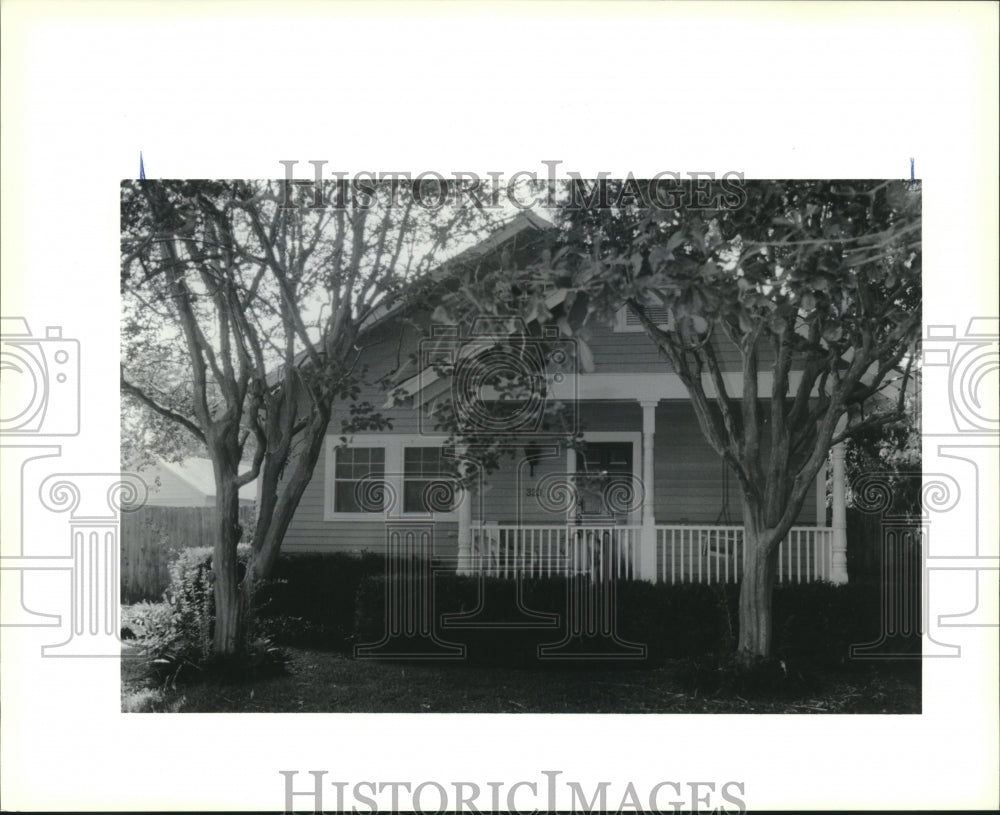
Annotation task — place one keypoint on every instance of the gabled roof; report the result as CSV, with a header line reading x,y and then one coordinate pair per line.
x,y
424,380
522,222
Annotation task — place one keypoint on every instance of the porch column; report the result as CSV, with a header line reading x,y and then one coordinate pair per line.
x,y
821,495
464,498
465,531
571,479
647,547
838,572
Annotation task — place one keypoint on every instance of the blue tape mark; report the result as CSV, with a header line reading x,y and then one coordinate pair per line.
x,y
913,178
142,169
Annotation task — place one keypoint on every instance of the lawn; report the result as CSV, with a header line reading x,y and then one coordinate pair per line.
x,y
331,682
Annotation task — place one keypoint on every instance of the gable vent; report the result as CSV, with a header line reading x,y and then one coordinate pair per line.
x,y
628,320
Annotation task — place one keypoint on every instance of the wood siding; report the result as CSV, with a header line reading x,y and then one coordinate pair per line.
x,y
690,479
691,486
690,483
634,352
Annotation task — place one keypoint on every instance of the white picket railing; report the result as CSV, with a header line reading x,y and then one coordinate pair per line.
x,y
699,554
541,551
714,554
684,553
806,555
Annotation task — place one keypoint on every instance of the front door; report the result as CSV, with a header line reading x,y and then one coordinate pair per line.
x,y
605,488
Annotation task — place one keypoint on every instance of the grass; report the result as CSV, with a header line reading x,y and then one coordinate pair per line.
x,y
329,682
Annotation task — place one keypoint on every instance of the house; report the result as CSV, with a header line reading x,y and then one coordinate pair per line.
x,y
644,497
187,483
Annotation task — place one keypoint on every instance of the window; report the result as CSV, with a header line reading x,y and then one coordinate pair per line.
x,y
606,481
358,480
613,458
426,485
382,476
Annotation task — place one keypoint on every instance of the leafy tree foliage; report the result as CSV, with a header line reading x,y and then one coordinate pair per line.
x,y
814,283
244,324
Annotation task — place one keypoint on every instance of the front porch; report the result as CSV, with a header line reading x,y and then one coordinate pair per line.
x,y
643,498
680,553
662,472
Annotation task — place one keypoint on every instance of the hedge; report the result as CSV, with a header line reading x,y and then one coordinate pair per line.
x,y
813,622
310,598
338,600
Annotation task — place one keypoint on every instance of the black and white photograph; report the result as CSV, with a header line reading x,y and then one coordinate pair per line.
x,y
616,425
499,407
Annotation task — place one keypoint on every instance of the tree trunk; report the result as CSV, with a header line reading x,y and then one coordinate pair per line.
x,y
277,509
229,606
756,592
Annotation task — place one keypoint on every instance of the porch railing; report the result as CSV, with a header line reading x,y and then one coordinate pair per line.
x,y
714,554
684,553
542,551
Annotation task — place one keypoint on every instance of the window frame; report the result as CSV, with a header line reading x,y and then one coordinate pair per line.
x,y
334,480
394,445
422,478
618,436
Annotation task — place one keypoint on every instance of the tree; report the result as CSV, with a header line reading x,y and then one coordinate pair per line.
x,y
816,282
884,470
245,314
148,438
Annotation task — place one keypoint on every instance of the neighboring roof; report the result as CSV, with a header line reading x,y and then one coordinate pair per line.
x,y
199,474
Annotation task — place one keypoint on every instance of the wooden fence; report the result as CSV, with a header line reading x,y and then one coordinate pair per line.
x,y
152,536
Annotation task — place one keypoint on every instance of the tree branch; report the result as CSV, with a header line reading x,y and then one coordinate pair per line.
x,y
148,401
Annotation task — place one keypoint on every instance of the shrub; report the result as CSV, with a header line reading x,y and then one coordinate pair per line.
x,y
144,619
814,623
310,599
177,634
191,598
670,621
819,622
680,620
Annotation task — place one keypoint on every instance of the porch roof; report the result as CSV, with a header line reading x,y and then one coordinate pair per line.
x,y
639,387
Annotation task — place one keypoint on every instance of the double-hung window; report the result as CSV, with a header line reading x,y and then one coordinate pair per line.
x,y
390,476
426,484
358,480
